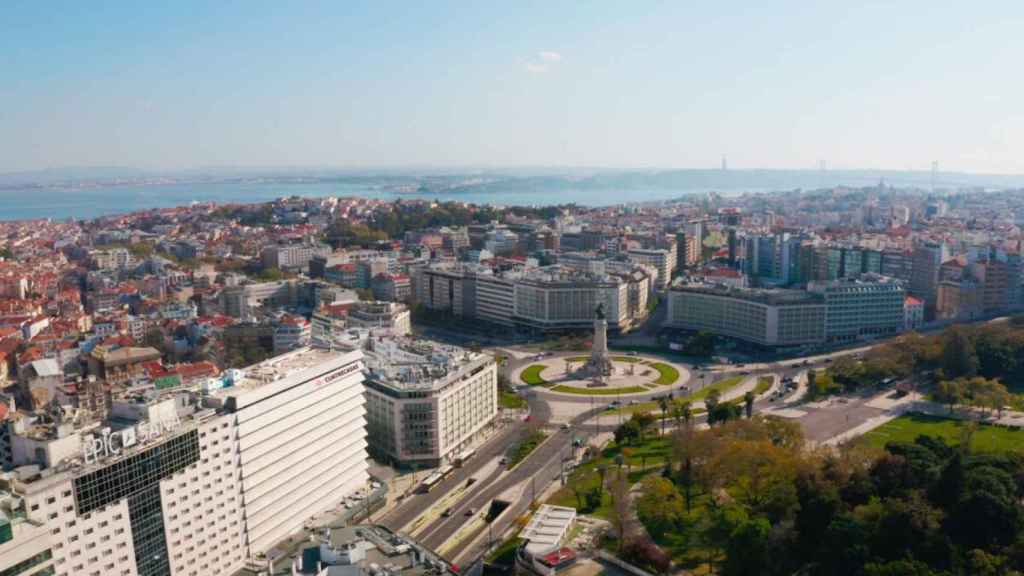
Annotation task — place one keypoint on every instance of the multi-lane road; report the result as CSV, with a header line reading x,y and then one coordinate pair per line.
x,y
452,534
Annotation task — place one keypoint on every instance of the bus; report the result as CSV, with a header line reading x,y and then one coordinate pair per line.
x,y
461,459
430,483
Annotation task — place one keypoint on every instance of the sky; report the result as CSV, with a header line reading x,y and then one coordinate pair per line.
x,y
168,85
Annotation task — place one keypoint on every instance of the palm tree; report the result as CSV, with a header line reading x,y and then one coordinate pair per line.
x,y
663,404
601,470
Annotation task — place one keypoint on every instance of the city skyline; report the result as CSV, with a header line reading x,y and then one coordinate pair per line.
x,y
359,86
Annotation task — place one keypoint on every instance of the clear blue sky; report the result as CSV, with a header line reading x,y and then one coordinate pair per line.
x,y
619,84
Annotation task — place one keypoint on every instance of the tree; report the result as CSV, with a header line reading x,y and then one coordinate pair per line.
x,y
812,383
701,344
711,400
663,403
724,412
660,506
646,554
627,433
622,510
693,450
950,392
747,548
959,357
748,403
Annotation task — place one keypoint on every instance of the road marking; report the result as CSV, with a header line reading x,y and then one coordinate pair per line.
x,y
434,512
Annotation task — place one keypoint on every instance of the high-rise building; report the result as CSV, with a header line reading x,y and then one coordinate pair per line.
x,y
681,250
733,247
924,279
187,483
695,232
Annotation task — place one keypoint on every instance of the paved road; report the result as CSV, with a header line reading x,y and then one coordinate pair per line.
x,y
415,505
542,465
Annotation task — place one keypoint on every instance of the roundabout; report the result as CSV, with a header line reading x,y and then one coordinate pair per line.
x,y
602,372
626,375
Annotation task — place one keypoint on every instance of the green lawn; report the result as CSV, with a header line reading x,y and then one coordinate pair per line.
x,y
651,452
986,438
599,391
510,400
531,375
722,386
651,407
667,374
763,384
525,447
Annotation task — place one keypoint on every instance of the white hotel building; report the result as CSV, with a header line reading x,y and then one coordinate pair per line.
x,y
185,483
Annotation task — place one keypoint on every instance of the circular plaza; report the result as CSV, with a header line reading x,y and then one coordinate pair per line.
x,y
625,375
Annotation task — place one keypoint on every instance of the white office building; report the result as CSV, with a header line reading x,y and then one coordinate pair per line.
x,y
427,402
868,306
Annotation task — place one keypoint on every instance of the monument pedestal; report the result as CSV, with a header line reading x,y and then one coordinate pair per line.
x,y
599,365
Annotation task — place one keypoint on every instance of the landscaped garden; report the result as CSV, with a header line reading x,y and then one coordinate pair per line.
x,y
581,489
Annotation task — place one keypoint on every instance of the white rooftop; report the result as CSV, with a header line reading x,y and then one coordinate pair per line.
x,y
547,528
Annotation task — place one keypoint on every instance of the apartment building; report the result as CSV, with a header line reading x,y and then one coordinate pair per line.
x,y
660,259
292,256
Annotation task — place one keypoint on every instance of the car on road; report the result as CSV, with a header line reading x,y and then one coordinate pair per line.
x,y
565,427
447,512
632,353
470,511
503,461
